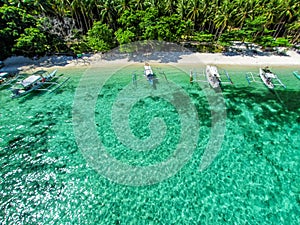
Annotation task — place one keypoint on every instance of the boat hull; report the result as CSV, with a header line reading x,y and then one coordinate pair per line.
x,y
213,76
265,80
148,73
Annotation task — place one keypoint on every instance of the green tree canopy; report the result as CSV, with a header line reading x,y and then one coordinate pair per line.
x,y
32,42
13,22
100,37
99,25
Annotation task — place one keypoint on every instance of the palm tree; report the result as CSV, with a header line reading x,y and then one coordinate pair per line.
x,y
140,4
108,13
182,9
221,19
169,6
294,30
286,13
194,12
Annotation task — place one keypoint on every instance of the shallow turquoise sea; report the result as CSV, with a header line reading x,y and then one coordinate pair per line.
x,y
46,178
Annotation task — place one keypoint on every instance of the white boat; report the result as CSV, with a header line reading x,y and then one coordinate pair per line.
x,y
213,76
266,76
148,73
34,82
150,76
269,78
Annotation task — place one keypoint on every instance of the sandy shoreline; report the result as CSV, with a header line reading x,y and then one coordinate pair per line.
x,y
15,64
291,59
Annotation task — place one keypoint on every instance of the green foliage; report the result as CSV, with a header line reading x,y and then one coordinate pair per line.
x,y
13,22
100,37
167,28
269,23
171,28
79,47
254,27
282,42
270,41
130,20
15,18
124,37
266,41
203,37
32,42
148,24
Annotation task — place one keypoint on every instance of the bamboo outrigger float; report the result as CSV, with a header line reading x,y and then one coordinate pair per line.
x,y
296,74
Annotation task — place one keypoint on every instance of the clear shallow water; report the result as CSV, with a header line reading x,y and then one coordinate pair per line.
x,y
254,179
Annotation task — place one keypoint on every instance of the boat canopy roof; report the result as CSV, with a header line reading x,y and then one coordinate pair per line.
x,y
212,70
270,75
30,80
148,70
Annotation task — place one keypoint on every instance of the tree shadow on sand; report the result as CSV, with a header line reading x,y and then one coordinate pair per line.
x,y
252,50
163,52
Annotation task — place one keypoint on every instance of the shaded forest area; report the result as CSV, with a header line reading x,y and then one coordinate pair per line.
x,y
41,27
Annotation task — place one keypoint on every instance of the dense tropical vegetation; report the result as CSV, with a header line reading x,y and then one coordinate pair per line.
x,y
38,27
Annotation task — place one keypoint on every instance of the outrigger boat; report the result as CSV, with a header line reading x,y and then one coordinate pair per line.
x,y
148,73
7,79
150,76
213,77
296,73
267,77
36,83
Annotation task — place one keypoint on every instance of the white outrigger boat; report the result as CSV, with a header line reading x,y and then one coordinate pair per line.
x,y
36,83
150,76
213,77
148,73
267,77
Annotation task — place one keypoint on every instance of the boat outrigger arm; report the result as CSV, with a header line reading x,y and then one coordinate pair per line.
x,y
51,84
250,77
196,77
60,85
296,74
7,79
150,76
228,77
280,83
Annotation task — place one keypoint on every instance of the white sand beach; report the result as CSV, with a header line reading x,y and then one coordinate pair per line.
x,y
20,63
292,58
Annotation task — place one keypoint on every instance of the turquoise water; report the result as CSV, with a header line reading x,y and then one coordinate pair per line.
x,y
45,179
